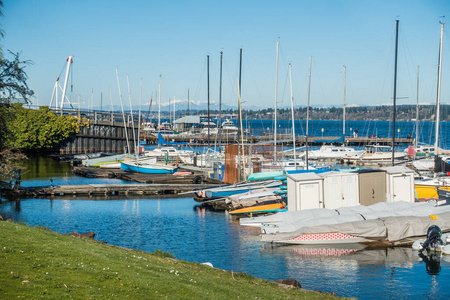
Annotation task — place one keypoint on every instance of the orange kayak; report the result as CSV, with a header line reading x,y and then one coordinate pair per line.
x,y
275,207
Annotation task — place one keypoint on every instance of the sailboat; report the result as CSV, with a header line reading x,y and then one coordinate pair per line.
x,y
428,188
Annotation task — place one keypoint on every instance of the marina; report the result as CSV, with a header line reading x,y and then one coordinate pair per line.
x,y
335,185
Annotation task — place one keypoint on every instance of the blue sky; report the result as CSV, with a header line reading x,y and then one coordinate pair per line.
x,y
145,39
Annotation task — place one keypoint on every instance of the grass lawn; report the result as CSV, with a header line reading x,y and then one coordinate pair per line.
x,y
37,263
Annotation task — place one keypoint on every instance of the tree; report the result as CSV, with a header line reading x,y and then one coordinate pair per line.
x,y
13,79
40,129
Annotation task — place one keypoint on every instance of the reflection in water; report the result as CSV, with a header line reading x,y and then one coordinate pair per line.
x,y
432,261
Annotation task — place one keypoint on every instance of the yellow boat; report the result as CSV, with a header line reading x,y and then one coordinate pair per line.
x,y
427,188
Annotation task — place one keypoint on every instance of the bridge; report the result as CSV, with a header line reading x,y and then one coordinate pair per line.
x,y
107,132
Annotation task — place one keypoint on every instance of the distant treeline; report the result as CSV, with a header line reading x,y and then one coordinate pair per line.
x,y
359,113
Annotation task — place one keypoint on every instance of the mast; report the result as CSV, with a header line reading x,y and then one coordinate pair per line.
x,y
188,110
275,110
395,92
416,140
123,113
220,105
343,116
438,96
240,115
131,110
159,104
307,112
292,112
207,76
139,121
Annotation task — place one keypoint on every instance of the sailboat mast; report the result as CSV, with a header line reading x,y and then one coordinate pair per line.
x,y
139,120
159,103
275,109
207,71
343,115
307,112
438,96
123,113
242,152
189,112
239,95
220,104
395,92
416,140
292,112
131,111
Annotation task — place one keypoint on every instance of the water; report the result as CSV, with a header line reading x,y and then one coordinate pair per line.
x,y
365,129
175,225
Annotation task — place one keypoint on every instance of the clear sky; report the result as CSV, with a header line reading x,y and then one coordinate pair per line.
x,y
145,39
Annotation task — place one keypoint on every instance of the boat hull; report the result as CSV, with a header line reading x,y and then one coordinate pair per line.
x,y
258,209
147,168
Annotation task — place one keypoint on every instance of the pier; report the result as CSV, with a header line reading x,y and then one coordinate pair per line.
x,y
111,190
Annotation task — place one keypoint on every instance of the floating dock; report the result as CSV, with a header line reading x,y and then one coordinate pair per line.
x,y
111,189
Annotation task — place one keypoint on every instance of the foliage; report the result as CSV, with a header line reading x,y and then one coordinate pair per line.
x,y
37,263
13,79
9,161
40,129
161,253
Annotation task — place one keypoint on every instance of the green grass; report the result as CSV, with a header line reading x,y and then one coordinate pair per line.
x,y
37,263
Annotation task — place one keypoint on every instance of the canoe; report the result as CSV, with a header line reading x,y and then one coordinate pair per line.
x,y
147,168
265,175
265,208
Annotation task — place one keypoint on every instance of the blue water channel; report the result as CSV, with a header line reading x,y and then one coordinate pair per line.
x,y
175,225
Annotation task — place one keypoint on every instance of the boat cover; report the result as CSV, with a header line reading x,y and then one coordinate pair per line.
x,y
390,228
253,197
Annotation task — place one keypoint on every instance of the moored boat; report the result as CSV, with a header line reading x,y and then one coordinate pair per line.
x,y
334,152
147,167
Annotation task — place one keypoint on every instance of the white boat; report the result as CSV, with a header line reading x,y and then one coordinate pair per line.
x,y
209,126
165,128
207,159
171,154
228,128
148,127
334,152
376,153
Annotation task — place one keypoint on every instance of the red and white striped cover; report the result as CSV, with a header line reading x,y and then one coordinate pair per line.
x,y
323,236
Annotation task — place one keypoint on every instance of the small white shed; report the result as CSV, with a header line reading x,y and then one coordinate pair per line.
x,y
399,184
340,189
305,191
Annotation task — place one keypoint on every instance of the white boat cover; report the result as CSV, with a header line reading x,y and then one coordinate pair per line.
x,y
253,197
291,217
401,209
390,228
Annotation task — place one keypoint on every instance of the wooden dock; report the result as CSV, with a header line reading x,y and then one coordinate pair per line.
x,y
158,185
111,190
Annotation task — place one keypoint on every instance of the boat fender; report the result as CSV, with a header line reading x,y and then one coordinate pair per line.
x,y
446,249
417,245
